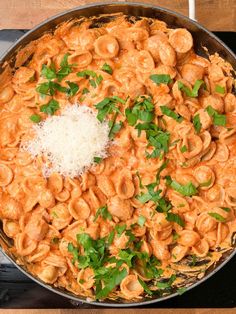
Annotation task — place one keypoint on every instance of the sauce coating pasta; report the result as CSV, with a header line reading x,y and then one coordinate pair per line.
x,y
162,204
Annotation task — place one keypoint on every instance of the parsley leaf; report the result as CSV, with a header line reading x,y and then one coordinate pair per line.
x,y
49,72
50,108
218,119
183,149
170,113
197,123
114,128
191,93
140,180
114,279
96,79
107,106
142,110
145,286
161,78
85,91
65,68
219,89
217,217
73,88
97,160
166,284
103,212
141,220
120,229
74,252
187,190
175,218
35,118
163,166
227,209
106,68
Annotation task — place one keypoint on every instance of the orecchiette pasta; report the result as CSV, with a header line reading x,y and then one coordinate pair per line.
x,y
166,191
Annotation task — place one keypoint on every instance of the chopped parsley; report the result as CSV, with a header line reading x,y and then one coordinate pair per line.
x,y
175,218
111,277
35,118
97,160
49,72
94,79
50,108
170,113
103,212
114,127
166,284
107,106
217,216
73,89
226,209
65,68
141,220
197,123
74,251
219,89
140,180
145,286
106,68
120,229
157,138
191,93
161,79
85,91
142,110
183,149
218,119
187,189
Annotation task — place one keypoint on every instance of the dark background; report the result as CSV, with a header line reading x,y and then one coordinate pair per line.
x,y
17,291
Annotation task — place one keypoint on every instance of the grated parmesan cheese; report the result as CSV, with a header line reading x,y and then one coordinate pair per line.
x,y
69,142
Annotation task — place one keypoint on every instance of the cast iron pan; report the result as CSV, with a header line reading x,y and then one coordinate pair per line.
x,y
202,38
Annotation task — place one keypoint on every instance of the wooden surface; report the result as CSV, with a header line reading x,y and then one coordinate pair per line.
x,y
127,311
24,14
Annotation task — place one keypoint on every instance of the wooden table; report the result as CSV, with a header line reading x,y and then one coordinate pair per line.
x,y
24,14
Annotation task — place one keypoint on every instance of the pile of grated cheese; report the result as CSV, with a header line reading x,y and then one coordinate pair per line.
x,y
69,142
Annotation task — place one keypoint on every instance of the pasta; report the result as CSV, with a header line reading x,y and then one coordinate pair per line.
x,y
162,203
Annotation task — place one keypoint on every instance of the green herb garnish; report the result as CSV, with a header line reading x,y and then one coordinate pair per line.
x,y
145,286
141,221
219,89
218,119
142,110
35,118
166,284
191,93
50,108
161,78
170,113
197,123
175,218
187,190
103,212
106,68
183,149
97,160
217,217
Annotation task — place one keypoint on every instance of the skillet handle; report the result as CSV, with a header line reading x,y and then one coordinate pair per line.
x,y
191,9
